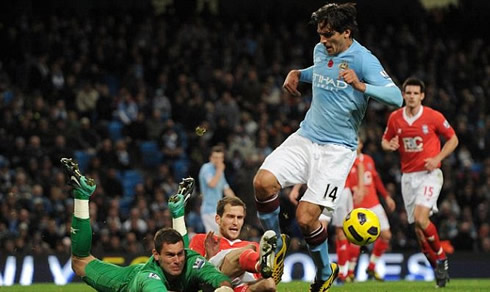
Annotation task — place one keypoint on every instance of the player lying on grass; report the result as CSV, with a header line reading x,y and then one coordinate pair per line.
x,y
171,267
250,265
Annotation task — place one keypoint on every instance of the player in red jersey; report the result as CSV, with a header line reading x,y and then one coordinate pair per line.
x,y
414,131
369,200
249,264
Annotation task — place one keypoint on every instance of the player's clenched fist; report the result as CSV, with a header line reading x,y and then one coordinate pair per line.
x,y
291,82
393,144
350,77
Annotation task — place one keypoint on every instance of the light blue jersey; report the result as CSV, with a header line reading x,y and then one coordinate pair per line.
x,y
210,196
337,109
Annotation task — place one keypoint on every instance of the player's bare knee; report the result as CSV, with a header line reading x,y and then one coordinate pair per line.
x,y
269,285
265,184
385,235
421,222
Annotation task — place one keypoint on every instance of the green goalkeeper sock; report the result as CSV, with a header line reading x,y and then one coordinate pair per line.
x,y
81,237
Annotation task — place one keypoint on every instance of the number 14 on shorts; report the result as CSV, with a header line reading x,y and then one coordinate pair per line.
x,y
331,192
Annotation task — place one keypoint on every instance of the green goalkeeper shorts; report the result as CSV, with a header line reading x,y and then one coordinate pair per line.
x,y
106,277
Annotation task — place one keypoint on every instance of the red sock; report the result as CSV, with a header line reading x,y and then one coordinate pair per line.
x,y
380,246
248,260
354,251
433,239
428,252
342,247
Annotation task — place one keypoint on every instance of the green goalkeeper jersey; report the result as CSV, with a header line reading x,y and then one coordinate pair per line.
x,y
197,273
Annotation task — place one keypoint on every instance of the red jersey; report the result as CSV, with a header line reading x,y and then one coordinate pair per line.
x,y
418,136
197,243
372,183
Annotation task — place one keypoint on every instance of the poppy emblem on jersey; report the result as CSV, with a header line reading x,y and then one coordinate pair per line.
x,y
330,63
425,129
343,65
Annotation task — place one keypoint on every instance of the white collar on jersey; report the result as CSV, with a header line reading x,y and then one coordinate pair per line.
x,y
411,120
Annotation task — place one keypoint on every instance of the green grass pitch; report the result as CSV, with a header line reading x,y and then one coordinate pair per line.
x,y
460,285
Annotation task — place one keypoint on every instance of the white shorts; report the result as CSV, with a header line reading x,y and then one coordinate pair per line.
x,y
344,206
421,188
217,260
209,222
324,168
383,219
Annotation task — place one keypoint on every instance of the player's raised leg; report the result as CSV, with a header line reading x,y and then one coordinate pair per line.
x,y
81,231
267,190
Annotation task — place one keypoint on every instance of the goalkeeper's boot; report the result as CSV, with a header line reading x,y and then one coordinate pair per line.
x,y
324,285
279,258
372,274
441,273
268,244
177,202
84,186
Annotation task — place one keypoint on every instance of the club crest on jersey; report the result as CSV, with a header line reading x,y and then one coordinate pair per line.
x,y
198,264
343,65
425,129
154,276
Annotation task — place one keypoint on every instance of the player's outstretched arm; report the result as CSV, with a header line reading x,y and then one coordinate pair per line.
x,y
176,205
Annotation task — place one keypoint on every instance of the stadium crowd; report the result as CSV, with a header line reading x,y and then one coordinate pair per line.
x,y
123,94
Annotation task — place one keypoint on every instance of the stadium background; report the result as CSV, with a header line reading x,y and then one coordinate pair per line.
x,y
121,86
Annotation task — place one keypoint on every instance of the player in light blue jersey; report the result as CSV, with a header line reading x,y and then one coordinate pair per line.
x,y
213,184
344,76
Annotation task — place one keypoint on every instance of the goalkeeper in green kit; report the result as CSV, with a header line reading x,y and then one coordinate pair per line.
x,y
171,267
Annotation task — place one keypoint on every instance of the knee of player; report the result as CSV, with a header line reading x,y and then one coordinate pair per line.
x,y
268,285
339,233
265,184
386,235
421,222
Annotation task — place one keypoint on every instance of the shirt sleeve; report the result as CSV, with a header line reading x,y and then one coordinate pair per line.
x,y
378,183
306,75
442,126
197,244
379,84
390,128
207,274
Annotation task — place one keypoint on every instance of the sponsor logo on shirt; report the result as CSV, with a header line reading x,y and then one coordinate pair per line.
x,y
154,276
413,144
425,129
328,83
198,264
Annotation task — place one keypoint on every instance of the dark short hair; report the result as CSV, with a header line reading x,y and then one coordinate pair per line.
x,y
338,17
166,235
233,201
414,81
218,148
